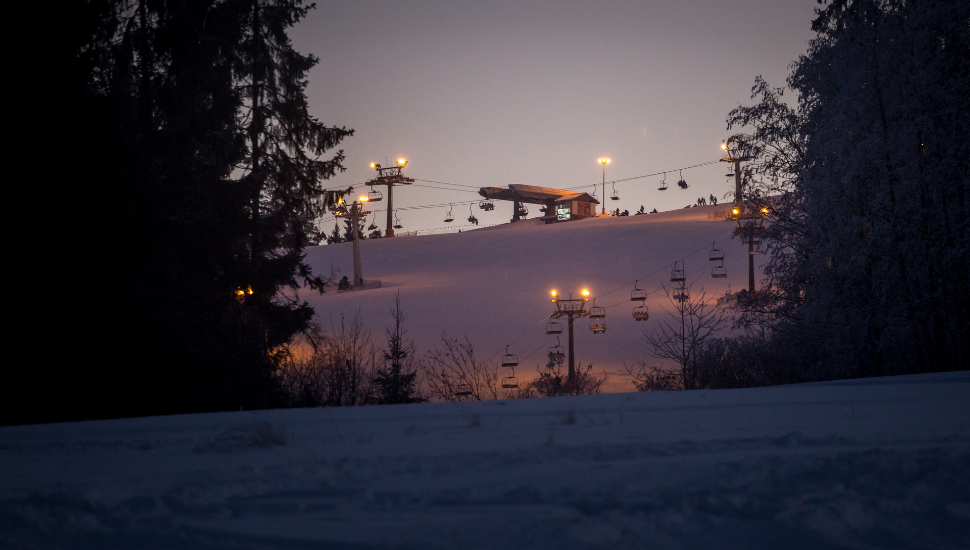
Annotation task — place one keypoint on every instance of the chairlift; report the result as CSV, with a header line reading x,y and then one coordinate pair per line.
x,y
373,223
554,327
463,389
375,196
638,294
510,382
597,327
523,210
448,217
716,254
682,182
663,183
557,353
397,222
757,247
614,195
597,312
510,359
677,274
471,216
487,205
719,271
641,313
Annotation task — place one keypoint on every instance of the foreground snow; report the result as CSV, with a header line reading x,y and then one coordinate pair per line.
x,y
874,463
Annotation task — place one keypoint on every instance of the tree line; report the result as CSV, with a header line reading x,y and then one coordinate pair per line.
x,y
866,178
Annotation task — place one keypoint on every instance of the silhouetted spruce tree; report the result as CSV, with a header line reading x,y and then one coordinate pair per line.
x,y
396,381
335,237
349,229
175,99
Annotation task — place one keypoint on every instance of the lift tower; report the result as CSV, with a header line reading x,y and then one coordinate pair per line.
x,y
389,176
355,211
571,309
739,213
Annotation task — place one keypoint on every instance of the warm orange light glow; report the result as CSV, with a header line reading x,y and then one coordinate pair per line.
x,y
585,292
724,146
553,293
402,162
340,201
363,198
735,210
605,161
373,165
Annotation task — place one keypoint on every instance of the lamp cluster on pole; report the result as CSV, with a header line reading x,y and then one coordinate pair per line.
x,y
389,176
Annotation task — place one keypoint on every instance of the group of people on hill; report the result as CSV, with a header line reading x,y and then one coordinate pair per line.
x,y
701,201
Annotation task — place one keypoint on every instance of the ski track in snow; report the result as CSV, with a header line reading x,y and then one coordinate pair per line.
x,y
871,463
493,284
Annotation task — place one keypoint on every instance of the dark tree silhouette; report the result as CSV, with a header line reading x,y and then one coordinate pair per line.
x,y
396,381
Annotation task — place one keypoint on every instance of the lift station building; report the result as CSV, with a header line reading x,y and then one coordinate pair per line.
x,y
558,205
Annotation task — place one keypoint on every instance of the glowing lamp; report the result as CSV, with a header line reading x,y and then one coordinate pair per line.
x,y
402,162
724,146
585,292
363,198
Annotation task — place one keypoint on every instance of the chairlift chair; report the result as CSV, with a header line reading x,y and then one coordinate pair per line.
x,y
510,382
681,294
716,254
677,274
719,271
597,312
375,196
682,182
614,195
397,222
448,217
597,327
557,353
523,210
638,294
663,183
463,389
471,215
554,327
757,247
510,359
486,205
641,313
373,223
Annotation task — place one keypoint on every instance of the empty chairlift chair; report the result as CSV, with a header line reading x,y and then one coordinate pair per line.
x,y
397,222
638,294
719,271
663,183
716,254
596,313
375,196
448,217
554,327
463,389
614,195
510,359
510,382
677,274
757,247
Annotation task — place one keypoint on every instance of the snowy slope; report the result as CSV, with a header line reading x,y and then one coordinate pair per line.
x,y
875,463
493,284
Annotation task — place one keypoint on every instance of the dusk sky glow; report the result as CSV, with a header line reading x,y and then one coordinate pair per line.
x,y
494,93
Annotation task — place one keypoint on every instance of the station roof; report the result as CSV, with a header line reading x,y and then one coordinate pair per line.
x,y
533,194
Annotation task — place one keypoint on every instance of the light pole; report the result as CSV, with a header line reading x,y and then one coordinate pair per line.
x,y
604,162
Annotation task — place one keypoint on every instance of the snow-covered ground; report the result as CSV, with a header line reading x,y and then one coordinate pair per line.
x,y
493,284
873,463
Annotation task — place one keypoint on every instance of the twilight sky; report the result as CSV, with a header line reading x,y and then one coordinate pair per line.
x,y
534,92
